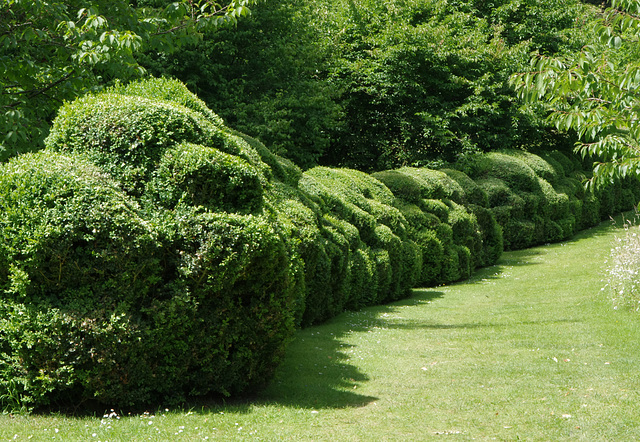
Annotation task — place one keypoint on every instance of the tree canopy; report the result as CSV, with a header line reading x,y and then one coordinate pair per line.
x,y
595,92
373,85
52,51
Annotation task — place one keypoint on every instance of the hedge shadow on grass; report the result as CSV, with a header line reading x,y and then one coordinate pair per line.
x,y
419,296
315,373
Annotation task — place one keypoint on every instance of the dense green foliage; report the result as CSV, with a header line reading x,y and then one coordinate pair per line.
x,y
378,85
181,286
51,51
542,199
148,234
594,92
265,78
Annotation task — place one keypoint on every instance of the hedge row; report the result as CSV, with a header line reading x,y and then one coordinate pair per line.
x,y
148,234
541,198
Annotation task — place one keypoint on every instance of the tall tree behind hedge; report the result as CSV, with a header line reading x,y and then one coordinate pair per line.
x,y
425,81
265,78
52,51
377,85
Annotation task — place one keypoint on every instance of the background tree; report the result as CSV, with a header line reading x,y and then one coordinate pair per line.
x,y
266,77
595,93
51,51
426,81
374,85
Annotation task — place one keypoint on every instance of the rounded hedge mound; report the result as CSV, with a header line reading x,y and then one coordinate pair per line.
x,y
196,175
168,89
124,302
77,260
127,135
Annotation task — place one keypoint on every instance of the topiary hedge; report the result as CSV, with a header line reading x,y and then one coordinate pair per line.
x,y
442,222
150,235
140,238
538,199
197,175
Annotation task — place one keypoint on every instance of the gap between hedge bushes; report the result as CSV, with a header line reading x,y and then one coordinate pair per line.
x,y
150,253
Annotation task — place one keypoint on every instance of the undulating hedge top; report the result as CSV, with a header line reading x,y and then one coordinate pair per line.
x,y
198,175
127,130
167,89
139,239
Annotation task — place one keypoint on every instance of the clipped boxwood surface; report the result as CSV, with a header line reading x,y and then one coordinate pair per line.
x,y
150,235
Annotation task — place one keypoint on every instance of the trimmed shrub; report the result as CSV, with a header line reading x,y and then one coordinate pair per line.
x,y
429,200
364,202
465,233
339,253
436,207
364,281
281,169
607,197
411,269
232,303
67,229
491,236
464,261
127,135
327,246
556,203
451,270
435,184
500,194
94,290
384,274
590,211
556,164
167,89
184,273
302,225
633,184
432,257
530,213
399,263
519,234
321,192
513,171
473,193
402,185
355,197
540,166
196,175
417,219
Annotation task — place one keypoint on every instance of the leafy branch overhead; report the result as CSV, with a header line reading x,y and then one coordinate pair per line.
x,y
52,51
595,92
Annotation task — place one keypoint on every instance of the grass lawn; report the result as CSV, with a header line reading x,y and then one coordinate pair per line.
x,y
529,349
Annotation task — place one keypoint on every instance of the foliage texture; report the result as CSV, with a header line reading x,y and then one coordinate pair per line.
x,y
51,51
148,234
595,92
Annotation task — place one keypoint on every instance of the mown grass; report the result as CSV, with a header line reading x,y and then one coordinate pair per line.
x,y
529,349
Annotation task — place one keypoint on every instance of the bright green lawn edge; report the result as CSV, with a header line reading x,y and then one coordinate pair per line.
x,y
529,349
